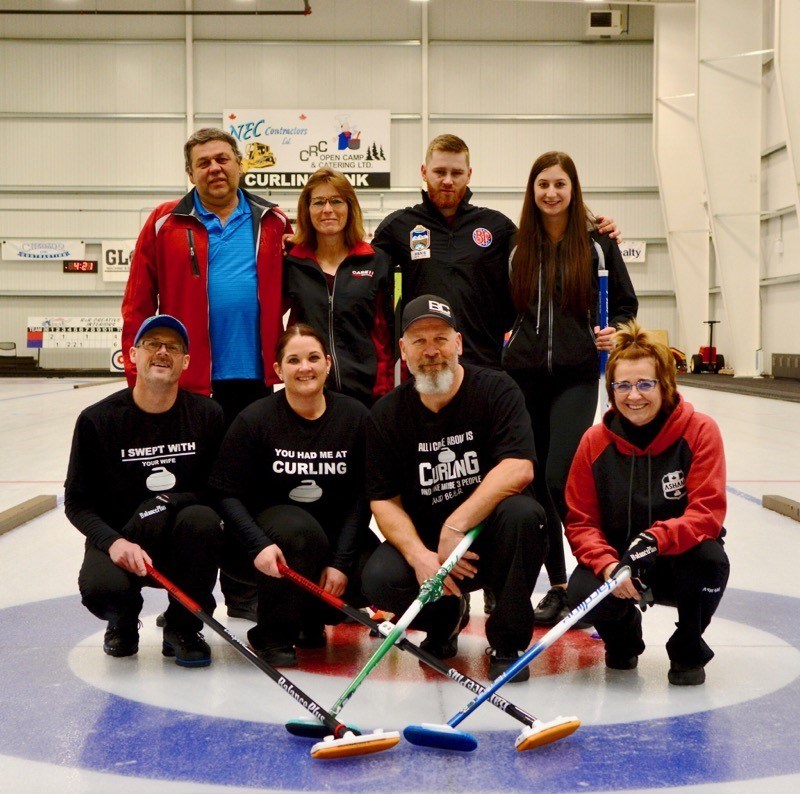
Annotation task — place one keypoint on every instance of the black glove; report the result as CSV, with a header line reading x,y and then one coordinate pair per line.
x,y
640,556
646,598
154,517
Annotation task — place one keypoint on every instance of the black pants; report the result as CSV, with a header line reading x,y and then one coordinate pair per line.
x,y
235,395
693,581
511,548
560,415
284,608
188,555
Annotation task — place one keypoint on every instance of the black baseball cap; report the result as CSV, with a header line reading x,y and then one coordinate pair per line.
x,y
163,321
427,306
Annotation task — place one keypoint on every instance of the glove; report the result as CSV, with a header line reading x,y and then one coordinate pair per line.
x,y
640,556
153,518
646,599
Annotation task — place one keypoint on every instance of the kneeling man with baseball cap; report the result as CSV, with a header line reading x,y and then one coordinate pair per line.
x,y
448,449
136,489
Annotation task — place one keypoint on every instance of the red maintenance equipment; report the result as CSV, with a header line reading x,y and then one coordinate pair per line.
x,y
707,360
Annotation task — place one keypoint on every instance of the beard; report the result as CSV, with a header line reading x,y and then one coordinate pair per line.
x,y
443,199
437,382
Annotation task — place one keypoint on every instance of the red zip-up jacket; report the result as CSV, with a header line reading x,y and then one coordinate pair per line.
x,y
674,489
169,275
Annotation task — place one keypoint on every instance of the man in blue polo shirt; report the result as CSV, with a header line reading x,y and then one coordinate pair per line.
x,y
213,259
237,370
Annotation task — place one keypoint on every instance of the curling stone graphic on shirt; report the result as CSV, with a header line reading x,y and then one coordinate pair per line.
x,y
160,479
307,491
447,455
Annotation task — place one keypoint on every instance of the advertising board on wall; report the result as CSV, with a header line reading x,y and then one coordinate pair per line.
x,y
116,259
282,148
634,252
42,250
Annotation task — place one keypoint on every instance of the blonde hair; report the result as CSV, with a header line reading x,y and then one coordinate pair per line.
x,y
451,144
634,343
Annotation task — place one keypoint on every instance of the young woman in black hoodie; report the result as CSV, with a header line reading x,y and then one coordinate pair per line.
x,y
552,352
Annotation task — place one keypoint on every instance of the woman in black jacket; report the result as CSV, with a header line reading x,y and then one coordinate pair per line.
x,y
339,284
552,352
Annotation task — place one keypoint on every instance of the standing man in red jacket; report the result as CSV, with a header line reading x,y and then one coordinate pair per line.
x,y
213,259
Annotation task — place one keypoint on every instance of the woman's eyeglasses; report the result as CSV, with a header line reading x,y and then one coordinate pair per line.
x,y
642,386
334,202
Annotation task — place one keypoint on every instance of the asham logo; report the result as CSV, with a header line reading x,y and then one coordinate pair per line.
x,y
673,485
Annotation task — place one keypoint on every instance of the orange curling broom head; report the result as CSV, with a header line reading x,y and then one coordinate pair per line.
x,y
542,733
350,744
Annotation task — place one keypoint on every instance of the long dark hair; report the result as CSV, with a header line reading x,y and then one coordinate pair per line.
x,y
536,255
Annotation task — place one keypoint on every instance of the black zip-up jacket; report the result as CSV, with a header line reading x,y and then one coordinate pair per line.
x,y
466,263
355,317
550,341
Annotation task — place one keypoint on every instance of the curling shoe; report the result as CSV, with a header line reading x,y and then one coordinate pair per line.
x,y
188,647
552,609
615,661
489,601
278,655
440,648
243,612
686,674
465,616
122,639
312,637
447,647
500,660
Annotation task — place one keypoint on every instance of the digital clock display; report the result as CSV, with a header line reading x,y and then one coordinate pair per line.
x,y
80,266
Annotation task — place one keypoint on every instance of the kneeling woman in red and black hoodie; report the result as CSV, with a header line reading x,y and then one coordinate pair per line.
x,y
647,489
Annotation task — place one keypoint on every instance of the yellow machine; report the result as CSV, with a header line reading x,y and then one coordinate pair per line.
x,y
257,155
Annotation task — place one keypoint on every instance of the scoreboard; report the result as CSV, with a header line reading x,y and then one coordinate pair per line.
x,y
102,333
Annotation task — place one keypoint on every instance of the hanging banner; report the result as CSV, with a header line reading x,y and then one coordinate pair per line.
x,y
282,148
116,259
634,252
43,250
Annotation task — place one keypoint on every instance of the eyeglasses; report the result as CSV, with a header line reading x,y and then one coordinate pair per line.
x,y
644,386
335,203
153,346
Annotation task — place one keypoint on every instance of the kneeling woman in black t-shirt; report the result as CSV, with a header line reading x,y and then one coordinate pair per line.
x,y
290,476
